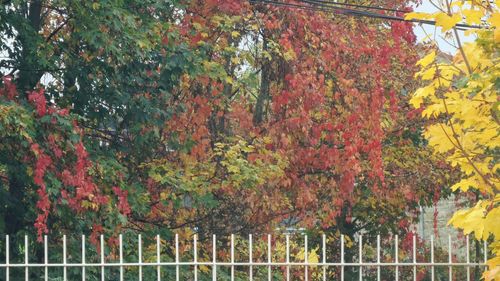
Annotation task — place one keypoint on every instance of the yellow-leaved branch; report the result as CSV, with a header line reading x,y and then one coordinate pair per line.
x,y
461,98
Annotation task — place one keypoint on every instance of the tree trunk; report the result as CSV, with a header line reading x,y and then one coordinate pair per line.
x,y
29,68
259,112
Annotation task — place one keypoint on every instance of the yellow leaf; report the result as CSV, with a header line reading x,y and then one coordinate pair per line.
x,y
204,268
142,44
235,34
491,225
448,71
197,26
428,74
416,101
464,184
494,20
446,22
235,60
438,137
418,16
470,220
427,60
421,94
472,16
434,110
494,273
312,256
164,195
289,55
475,55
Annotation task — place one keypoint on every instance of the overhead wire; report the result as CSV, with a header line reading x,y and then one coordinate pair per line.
x,y
328,6
331,3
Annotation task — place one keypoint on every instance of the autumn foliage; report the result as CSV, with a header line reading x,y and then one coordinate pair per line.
x,y
461,98
211,117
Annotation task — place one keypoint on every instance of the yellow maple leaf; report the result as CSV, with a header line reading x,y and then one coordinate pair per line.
x,y
418,16
421,94
494,20
427,60
447,22
472,16
438,137
494,273
470,220
434,110
475,56
464,184
428,74
491,225
235,34
312,256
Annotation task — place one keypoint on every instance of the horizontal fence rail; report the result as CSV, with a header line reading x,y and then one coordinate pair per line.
x,y
321,266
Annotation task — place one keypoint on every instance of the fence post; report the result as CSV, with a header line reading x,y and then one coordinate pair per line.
x,y
232,257
324,257
468,257
306,260
26,257
65,262
177,260
485,250
414,257
250,256
139,256
102,258
120,245
158,258
378,257
214,258
360,257
46,257
342,257
83,259
432,257
195,256
7,258
288,257
450,260
269,258
396,242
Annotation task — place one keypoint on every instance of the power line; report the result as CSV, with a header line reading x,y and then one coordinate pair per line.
x,y
329,6
333,4
321,5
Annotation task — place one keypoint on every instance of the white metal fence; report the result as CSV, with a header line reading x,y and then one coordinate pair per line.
x,y
251,264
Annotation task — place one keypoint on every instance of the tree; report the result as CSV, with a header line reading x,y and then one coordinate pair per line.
x,y
462,100
208,117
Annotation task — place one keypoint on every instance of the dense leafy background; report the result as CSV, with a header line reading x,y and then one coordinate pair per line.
x,y
217,116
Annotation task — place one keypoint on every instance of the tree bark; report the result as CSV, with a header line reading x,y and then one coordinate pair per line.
x,y
29,72
259,112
